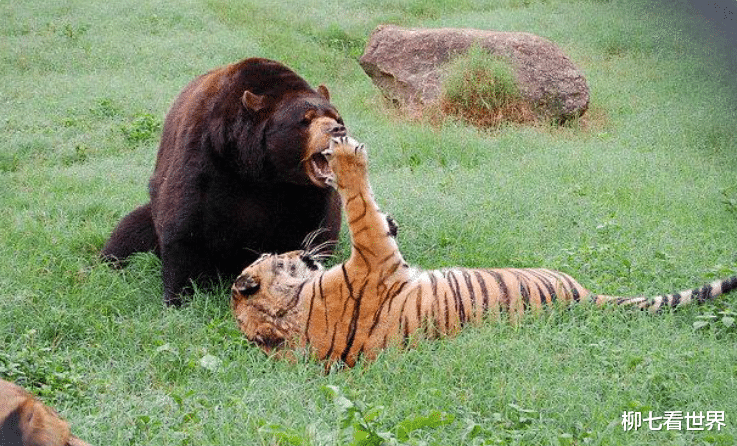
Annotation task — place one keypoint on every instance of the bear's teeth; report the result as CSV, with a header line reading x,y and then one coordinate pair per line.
x,y
320,166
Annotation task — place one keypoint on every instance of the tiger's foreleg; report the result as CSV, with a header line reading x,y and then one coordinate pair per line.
x,y
372,240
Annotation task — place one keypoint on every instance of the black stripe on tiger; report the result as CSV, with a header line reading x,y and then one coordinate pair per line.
x,y
309,311
674,300
729,285
505,300
434,287
457,298
391,294
354,317
549,296
524,288
484,292
472,294
405,332
704,293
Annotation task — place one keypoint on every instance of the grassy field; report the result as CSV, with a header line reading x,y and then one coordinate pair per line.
x,y
639,197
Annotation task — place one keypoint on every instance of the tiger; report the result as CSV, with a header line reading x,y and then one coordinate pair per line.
x,y
25,421
375,299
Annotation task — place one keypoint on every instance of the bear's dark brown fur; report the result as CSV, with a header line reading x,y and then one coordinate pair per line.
x,y
239,172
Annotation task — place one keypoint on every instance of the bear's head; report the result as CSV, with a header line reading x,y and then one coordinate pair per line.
x,y
297,128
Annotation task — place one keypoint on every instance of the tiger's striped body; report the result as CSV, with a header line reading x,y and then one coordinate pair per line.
x,y
374,299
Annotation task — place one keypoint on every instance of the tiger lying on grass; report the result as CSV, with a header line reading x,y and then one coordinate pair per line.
x,y
375,299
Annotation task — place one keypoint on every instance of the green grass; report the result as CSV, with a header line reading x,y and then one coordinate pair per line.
x,y
638,197
483,91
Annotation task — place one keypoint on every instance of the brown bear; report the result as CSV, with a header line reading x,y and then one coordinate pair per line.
x,y
238,173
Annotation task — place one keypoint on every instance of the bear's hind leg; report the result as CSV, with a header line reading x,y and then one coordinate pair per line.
x,y
135,233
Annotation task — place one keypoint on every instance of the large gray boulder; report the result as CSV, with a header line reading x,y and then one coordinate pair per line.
x,y
406,65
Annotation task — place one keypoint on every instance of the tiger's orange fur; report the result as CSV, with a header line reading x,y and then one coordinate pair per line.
x,y
375,299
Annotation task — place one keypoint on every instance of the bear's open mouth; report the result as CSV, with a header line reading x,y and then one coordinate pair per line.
x,y
318,169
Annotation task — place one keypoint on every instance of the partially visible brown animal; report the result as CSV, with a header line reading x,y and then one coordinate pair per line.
x,y
25,421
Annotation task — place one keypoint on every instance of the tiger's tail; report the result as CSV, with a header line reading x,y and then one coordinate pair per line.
x,y
657,303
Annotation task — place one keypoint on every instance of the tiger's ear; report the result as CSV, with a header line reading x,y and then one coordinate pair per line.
x,y
246,285
323,90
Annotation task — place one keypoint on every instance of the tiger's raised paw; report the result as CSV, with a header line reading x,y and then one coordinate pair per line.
x,y
346,157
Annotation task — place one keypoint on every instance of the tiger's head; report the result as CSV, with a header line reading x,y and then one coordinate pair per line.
x,y
265,297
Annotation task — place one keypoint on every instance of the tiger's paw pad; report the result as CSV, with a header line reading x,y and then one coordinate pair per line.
x,y
347,147
345,156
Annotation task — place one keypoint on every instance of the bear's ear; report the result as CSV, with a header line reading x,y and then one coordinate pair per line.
x,y
253,102
323,90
